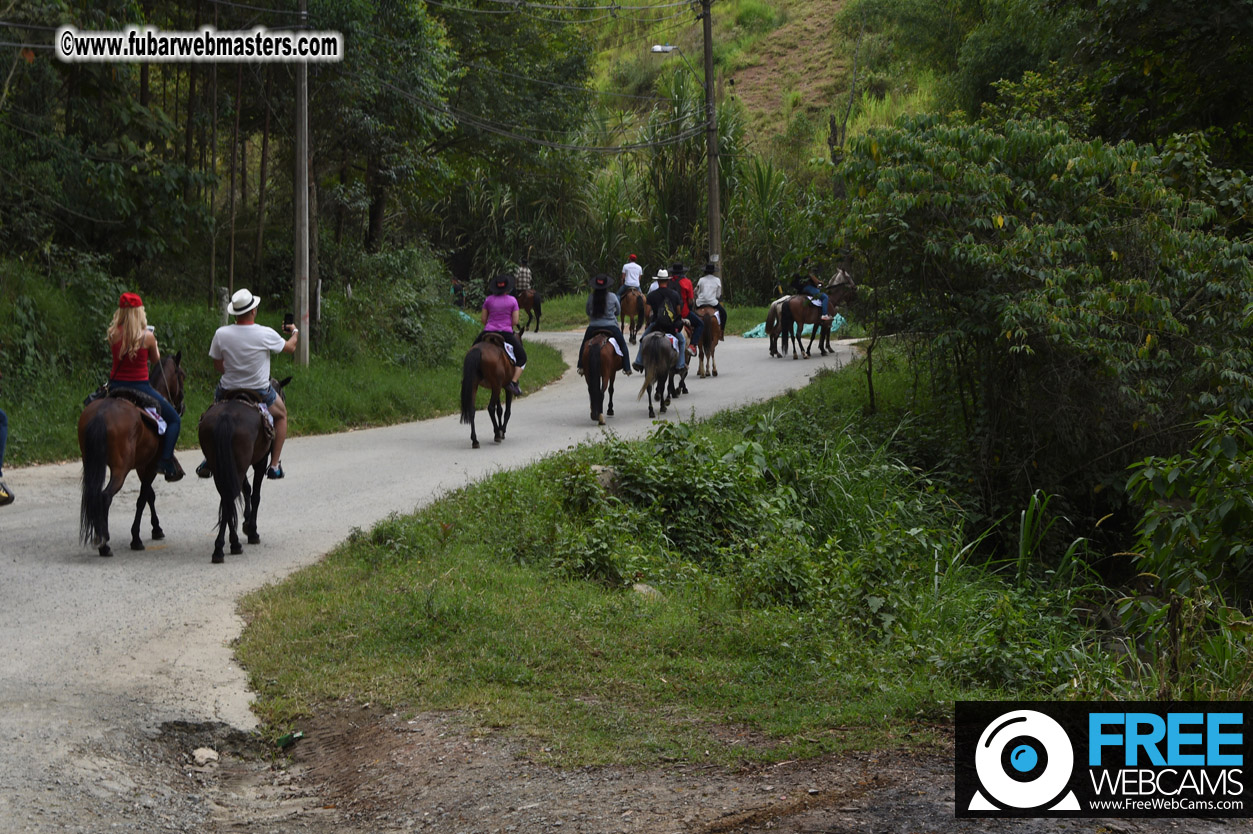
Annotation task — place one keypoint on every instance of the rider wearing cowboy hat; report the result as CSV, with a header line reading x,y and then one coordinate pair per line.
x,y
500,315
241,354
664,303
603,309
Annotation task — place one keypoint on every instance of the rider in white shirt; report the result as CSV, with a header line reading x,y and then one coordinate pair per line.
x,y
709,293
631,272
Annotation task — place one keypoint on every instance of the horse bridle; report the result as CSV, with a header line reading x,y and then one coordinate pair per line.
x,y
182,405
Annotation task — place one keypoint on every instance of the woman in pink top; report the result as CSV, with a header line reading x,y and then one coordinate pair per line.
x,y
500,315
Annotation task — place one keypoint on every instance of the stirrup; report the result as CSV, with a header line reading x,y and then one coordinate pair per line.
x,y
203,470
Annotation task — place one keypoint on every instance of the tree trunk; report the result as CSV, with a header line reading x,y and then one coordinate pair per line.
x,y
230,256
213,182
341,210
314,279
143,84
265,158
188,157
378,205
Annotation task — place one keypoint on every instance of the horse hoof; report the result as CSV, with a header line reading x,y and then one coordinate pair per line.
x,y
600,421
237,549
157,534
137,545
218,557
474,444
496,439
253,538
609,412
715,373
595,416
106,551
651,414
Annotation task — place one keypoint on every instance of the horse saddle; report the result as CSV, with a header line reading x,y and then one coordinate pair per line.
x,y
609,337
497,339
250,398
148,407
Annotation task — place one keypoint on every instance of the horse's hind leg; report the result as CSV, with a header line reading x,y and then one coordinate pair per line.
x,y
250,511
504,421
147,498
610,411
494,411
236,547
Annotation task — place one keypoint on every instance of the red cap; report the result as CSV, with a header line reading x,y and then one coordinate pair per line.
x,y
129,299
630,257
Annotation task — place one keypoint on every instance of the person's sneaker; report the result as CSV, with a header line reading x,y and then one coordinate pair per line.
x,y
580,371
637,366
6,494
826,318
512,388
203,470
626,370
691,349
170,469
275,473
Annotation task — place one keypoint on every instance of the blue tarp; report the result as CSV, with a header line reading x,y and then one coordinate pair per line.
x,y
759,332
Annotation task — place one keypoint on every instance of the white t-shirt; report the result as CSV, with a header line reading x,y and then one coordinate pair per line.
x,y
245,351
631,272
708,291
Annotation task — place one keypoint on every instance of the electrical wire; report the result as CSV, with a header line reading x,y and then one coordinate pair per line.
x,y
470,119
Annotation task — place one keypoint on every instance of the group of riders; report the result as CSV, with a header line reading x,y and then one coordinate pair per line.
x,y
240,353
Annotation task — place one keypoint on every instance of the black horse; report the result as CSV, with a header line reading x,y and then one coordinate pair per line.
x,y
660,359
235,435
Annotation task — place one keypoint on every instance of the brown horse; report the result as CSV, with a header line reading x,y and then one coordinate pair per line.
x,y
529,301
235,435
633,310
114,433
774,324
601,364
487,364
800,310
709,338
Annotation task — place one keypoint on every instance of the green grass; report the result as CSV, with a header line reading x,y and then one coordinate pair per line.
x,y
843,614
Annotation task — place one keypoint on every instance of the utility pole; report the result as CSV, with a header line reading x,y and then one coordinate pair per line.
x,y
300,200
711,147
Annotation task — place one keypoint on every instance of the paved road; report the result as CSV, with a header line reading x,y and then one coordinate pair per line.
x,y
98,651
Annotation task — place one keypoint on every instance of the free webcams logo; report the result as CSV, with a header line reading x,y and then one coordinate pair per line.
x,y
1102,759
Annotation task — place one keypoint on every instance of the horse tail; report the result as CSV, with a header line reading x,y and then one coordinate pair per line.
x,y
538,303
592,372
650,355
225,472
788,323
471,370
92,512
772,317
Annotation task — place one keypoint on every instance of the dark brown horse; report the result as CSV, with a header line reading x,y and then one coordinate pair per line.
x,y
529,301
487,364
113,433
774,324
709,338
800,310
633,310
601,364
234,436
659,358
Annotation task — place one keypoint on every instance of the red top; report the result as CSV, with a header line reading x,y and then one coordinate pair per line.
x,y
686,296
132,369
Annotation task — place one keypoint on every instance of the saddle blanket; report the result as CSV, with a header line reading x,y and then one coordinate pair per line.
x,y
674,340
817,302
265,412
616,348
155,417
509,351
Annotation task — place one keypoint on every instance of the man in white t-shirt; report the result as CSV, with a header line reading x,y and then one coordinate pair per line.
x,y
709,294
631,272
241,354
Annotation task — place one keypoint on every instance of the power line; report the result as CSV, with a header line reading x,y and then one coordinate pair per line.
x,y
490,127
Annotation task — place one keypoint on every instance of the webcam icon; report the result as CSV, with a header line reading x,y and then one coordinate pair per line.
x,y
1024,761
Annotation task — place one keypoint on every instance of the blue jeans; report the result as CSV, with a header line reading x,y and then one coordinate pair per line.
x,y
639,355
814,292
698,326
4,438
172,421
267,394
